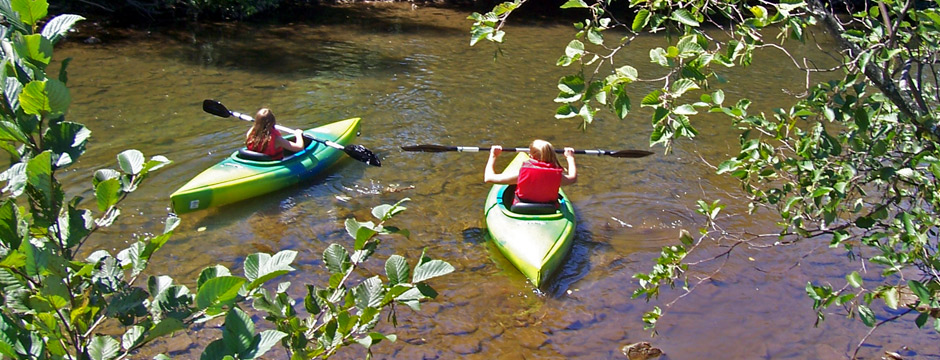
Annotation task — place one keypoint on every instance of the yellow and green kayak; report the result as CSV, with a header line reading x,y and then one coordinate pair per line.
x,y
535,244
244,175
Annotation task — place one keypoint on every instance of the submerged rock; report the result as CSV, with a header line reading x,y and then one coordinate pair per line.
x,y
641,351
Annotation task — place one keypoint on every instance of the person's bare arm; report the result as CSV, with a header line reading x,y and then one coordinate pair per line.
x,y
489,174
571,176
296,145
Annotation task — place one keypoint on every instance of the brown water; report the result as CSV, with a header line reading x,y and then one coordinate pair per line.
x,y
410,74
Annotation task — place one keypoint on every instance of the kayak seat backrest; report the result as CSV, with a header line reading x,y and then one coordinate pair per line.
x,y
246,154
533,208
526,208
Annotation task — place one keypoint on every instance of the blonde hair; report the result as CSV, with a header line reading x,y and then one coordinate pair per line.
x,y
260,133
543,151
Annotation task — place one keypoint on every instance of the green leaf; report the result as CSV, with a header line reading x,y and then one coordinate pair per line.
x,y
920,290
688,46
397,270
216,351
59,26
431,269
39,178
595,36
374,338
155,163
574,49
164,327
67,137
718,97
261,267
369,293
103,348
31,11
658,56
867,316
131,257
218,291
641,20
131,161
13,17
574,4
685,17
571,84
621,103
238,331
685,109
890,296
158,284
652,99
385,211
211,273
9,220
922,320
108,193
336,259
685,237
132,337
10,131
681,86
566,111
361,231
262,343
759,12
854,279
36,49
45,98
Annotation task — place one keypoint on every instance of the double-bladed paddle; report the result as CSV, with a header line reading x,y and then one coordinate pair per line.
x,y
357,152
442,148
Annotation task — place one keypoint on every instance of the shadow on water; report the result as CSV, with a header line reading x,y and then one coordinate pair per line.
x,y
475,235
273,50
577,264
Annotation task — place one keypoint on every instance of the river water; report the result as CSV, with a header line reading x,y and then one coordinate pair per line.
x,y
413,78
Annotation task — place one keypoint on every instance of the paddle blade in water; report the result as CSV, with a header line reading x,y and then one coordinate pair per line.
x,y
215,108
360,153
631,153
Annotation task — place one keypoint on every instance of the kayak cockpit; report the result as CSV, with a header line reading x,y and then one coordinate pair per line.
x,y
243,155
534,211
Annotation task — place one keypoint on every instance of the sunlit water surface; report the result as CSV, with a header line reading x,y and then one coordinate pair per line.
x,y
413,78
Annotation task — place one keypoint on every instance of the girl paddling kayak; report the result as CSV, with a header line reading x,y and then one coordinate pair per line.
x,y
539,178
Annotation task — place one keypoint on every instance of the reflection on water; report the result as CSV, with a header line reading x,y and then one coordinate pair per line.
x,y
413,79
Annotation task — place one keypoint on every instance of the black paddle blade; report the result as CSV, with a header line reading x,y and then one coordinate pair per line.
x,y
360,153
631,153
215,108
428,148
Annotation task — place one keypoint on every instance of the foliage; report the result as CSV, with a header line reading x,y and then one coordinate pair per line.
x,y
59,306
238,9
339,313
56,305
854,160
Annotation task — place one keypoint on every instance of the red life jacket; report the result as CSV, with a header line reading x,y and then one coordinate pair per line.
x,y
538,182
272,150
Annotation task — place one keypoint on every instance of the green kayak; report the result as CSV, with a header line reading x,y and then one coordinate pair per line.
x,y
244,175
535,244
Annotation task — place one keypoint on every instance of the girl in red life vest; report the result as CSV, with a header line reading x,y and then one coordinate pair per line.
x,y
265,139
539,178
